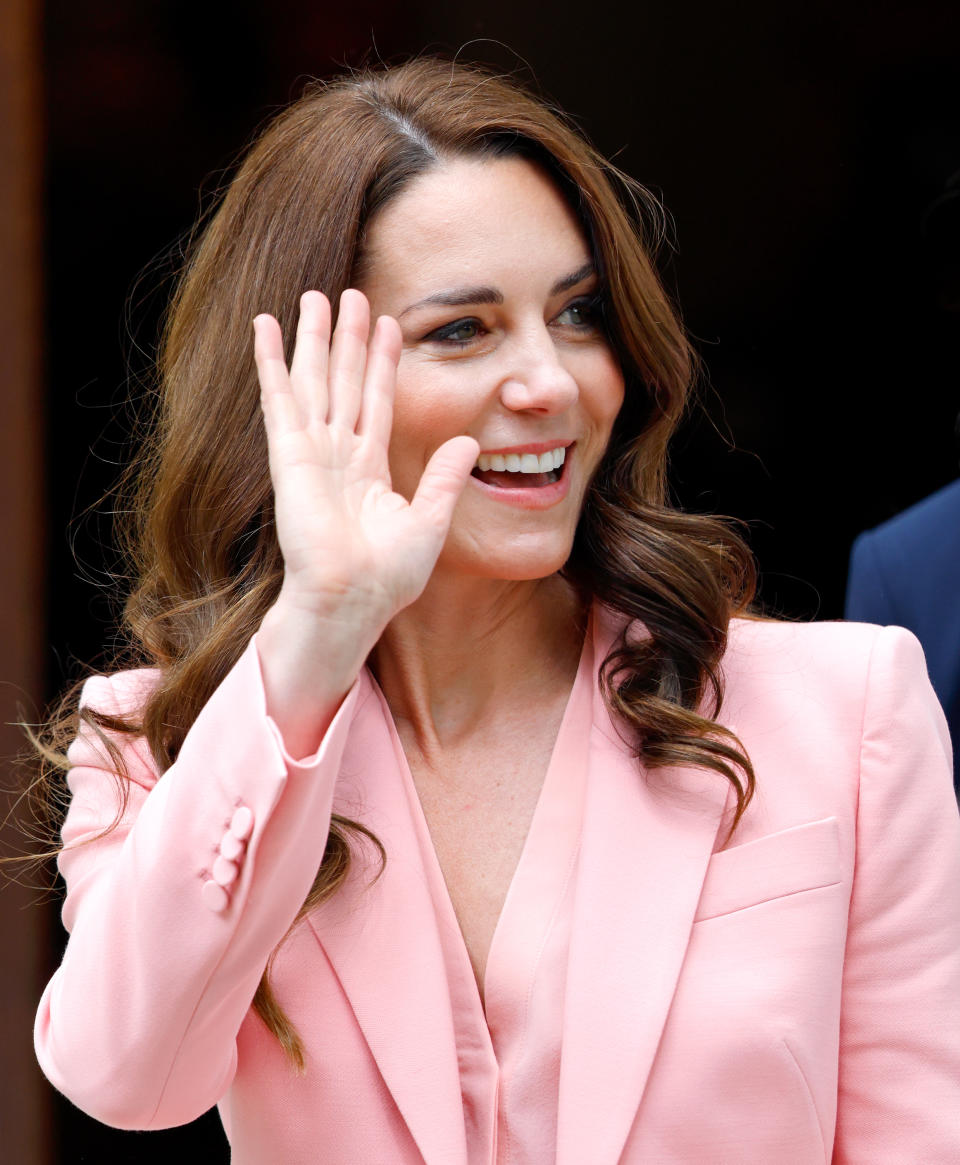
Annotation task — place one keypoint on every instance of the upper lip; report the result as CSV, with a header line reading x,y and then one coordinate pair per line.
x,y
531,447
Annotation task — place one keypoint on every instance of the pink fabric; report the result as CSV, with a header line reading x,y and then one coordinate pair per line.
x,y
653,995
509,1054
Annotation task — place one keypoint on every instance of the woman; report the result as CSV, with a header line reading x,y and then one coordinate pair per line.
x,y
564,910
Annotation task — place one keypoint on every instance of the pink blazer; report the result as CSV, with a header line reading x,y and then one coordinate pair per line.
x,y
790,997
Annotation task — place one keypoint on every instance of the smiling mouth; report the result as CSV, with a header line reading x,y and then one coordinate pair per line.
x,y
520,470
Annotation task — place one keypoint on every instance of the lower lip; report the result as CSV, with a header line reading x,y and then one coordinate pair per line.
x,y
531,497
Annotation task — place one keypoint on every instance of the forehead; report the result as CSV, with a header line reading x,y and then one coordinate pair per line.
x,y
474,220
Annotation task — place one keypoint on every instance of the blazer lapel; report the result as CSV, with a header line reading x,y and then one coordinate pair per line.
x,y
647,840
401,998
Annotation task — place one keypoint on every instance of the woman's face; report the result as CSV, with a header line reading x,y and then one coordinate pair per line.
x,y
491,279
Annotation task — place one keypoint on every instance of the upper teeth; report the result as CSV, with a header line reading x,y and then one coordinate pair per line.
x,y
523,462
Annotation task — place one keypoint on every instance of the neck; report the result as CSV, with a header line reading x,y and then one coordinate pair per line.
x,y
470,650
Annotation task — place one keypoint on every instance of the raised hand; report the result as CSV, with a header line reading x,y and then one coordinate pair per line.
x,y
355,552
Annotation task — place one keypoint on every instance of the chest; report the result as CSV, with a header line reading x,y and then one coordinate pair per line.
x,y
478,804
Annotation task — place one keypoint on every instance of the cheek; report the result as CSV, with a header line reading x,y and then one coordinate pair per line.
x,y
426,412
615,400
606,399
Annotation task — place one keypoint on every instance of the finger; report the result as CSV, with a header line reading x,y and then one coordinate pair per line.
x,y
281,414
376,411
348,359
268,356
443,480
311,354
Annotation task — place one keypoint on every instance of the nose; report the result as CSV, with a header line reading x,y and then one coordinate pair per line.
x,y
537,380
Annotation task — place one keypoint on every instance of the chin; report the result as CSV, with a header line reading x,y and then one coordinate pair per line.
x,y
531,575
518,564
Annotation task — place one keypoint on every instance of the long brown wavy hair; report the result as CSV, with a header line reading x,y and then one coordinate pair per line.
x,y
200,536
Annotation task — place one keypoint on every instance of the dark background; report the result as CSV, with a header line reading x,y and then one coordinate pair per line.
x,y
801,151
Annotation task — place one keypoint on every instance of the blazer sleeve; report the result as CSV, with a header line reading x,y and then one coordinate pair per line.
x,y
174,913
899,1085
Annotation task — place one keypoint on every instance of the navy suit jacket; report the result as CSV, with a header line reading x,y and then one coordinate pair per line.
x,y
907,572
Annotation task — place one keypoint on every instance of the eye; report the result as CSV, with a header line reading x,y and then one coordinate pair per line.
x,y
586,312
459,332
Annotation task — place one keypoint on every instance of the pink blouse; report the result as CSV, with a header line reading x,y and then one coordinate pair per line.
x,y
510,1082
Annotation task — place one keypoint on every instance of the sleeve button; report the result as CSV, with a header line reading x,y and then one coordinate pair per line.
x,y
231,847
224,872
214,896
241,824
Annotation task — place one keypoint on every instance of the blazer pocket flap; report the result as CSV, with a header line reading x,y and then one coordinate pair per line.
x,y
804,857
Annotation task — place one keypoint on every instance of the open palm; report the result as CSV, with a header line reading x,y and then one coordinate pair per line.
x,y
349,542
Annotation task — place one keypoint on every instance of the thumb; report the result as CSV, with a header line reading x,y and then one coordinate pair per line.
x,y
443,480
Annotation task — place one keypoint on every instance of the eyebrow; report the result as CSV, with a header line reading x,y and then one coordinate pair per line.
x,y
461,296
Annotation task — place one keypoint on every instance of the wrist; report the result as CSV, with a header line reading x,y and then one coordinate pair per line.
x,y
308,665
